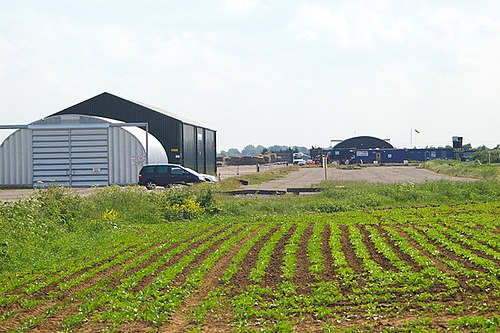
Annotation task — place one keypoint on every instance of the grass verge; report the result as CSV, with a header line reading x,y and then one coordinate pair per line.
x,y
255,178
461,169
53,226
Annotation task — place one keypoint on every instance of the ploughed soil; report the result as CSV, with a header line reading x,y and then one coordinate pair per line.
x,y
220,303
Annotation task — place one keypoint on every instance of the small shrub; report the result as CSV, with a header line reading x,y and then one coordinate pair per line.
x,y
186,203
109,215
187,209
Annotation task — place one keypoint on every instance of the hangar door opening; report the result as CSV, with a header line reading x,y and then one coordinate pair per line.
x,y
70,155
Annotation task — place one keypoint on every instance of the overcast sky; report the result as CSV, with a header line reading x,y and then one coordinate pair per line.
x,y
265,72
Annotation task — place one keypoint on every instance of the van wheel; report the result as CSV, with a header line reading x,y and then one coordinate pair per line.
x,y
150,185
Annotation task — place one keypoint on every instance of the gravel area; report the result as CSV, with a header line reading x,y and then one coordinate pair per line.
x,y
306,177
239,170
7,195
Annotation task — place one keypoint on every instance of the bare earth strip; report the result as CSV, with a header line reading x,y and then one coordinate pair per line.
x,y
180,319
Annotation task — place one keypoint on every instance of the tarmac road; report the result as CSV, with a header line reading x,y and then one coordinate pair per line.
x,y
306,177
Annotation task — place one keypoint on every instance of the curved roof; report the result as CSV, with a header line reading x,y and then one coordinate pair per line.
x,y
364,142
156,152
167,127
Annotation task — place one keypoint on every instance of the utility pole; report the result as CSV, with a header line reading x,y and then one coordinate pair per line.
x,y
325,165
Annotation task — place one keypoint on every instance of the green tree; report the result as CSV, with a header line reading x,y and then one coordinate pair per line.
x,y
487,155
278,149
251,150
233,152
467,146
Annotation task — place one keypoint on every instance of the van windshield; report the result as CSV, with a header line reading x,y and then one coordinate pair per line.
x,y
177,171
191,171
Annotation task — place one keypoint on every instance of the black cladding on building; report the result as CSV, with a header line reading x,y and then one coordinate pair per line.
x,y
364,142
185,141
369,149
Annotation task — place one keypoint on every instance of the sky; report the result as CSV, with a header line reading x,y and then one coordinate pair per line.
x,y
278,72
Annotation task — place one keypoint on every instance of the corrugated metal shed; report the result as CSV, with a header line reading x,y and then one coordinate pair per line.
x,y
76,151
179,136
15,159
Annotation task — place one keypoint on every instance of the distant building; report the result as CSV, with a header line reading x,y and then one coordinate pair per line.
x,y
370,150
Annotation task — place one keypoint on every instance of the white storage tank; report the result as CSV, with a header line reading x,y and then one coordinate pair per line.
x,y
77,151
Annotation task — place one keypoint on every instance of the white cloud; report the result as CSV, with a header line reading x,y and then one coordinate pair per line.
x,y
351,24
115,42
5,46
241,6
374,67
308,35
317,20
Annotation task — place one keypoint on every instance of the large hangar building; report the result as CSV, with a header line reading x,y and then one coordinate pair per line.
x,y
186,142
368,149
101,141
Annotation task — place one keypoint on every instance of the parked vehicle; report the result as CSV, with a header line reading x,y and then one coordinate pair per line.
x,y
152,175
301,159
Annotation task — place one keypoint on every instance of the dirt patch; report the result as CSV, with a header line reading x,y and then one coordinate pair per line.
x,y
478,253
14,194
352,260
54,322
303,276
424,253
328,273
439,322
62,300
273,274
401,255
181,278
382,261
180,319
451,255
174,260
241,278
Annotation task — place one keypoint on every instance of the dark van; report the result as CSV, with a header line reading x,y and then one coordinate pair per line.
x,y
168,174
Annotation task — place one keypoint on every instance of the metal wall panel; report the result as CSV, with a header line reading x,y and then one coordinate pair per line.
x,y
210,152
126,157
86,166
200,150
15,160
189,146
81,153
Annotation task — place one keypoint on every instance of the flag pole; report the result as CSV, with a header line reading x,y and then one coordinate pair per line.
x,y
411,138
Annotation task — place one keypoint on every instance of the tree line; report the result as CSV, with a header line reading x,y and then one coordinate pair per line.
x,y
251,150
482,153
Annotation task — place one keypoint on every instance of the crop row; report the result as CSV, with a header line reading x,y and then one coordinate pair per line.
x,y
434,282
424,264
120,267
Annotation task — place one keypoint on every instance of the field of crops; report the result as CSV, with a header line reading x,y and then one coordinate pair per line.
x,y
403,269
